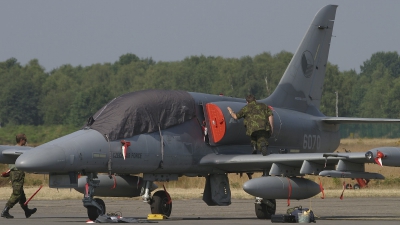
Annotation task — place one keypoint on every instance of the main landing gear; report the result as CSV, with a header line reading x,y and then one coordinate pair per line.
x,y
160,203
264,208
95,206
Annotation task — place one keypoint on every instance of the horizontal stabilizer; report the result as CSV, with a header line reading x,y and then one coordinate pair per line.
x,y
351,174
343,120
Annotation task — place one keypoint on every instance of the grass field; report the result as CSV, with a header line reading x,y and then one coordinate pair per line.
x,y
188,188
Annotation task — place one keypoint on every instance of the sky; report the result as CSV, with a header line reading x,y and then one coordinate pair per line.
x,y
97,31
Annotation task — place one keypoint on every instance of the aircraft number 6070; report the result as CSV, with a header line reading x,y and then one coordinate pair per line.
x,y
310,141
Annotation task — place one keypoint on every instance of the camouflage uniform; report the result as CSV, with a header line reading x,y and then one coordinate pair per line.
x,y
18,195
257,123
17,179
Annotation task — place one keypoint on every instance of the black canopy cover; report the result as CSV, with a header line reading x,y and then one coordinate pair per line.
x,y
143,112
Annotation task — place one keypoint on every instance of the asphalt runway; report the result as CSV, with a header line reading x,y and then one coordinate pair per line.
x,y
329,211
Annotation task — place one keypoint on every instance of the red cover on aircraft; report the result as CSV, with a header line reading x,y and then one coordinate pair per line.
x,y
217,122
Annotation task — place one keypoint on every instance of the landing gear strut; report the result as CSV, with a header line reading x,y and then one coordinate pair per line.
x,y
95,206
264,208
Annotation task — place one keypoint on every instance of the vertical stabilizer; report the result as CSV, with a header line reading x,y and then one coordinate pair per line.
x,y
301,85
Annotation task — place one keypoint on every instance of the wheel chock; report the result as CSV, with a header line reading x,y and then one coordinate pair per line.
x,y
156,217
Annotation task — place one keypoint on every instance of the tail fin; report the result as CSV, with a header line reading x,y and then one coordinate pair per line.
x,y
301,86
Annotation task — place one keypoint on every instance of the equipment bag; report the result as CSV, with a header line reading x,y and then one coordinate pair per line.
x,y
299,209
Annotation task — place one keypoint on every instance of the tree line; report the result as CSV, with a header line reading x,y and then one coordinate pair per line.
x,y
69,95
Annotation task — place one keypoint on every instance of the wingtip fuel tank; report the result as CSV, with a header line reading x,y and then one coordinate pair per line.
x,y
281,187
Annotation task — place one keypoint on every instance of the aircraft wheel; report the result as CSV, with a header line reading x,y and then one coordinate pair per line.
x,y
94,212
356,186
263,211
160,204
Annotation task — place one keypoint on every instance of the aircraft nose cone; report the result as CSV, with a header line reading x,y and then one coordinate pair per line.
x,y
46,158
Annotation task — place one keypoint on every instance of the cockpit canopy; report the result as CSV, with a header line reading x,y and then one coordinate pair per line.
x,y
142,112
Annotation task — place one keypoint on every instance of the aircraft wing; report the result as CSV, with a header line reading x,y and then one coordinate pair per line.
x,y
10,153
349,165
343,120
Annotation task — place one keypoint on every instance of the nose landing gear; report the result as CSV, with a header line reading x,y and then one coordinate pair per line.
x,y
95,206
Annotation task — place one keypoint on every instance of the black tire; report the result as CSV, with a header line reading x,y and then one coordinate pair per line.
x,y
263,211
160,204
348,186
356,186
94,212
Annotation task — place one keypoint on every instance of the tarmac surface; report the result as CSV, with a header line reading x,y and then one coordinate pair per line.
x,y
328,211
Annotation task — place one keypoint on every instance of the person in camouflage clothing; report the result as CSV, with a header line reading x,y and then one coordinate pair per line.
x,y
258,120
17,180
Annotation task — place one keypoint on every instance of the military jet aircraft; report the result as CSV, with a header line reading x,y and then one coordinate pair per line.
x,y
167,134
